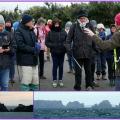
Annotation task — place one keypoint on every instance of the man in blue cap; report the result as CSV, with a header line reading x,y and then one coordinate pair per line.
x,y
27,54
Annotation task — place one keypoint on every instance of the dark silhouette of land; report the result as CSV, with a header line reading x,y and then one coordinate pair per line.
x,y
19,108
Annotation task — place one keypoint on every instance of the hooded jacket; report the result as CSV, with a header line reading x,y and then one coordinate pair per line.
x,y
55,40
26,40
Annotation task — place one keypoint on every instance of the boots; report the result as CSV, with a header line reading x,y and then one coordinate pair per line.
x,y
34,87
24,87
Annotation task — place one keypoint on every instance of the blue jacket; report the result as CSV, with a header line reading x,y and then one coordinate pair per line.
x,y
102,35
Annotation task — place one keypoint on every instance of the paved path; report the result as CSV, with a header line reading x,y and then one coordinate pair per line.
x,y
68,81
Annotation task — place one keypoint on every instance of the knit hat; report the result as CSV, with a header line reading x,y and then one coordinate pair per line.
x,y
41,20
49,21
94,23
8,19
2,20
26,18
99,26
82,13
117,19
68,24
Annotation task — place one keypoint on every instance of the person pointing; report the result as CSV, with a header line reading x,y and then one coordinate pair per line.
x,y
109,45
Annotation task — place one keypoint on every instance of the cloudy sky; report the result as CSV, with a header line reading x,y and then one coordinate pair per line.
x,y
24,5
89,98
15,98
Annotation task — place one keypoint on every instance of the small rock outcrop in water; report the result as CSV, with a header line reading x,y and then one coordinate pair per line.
x,y
3,108
23,108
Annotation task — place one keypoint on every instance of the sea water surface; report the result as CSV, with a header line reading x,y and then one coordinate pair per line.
x,y
16,115
76,114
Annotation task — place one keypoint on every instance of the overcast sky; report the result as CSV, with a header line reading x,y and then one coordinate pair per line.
x,y
24,5
89,98
15,98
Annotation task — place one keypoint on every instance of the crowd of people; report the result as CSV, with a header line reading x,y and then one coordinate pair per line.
x,y
25,42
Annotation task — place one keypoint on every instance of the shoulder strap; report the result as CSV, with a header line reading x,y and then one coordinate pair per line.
x,y
37,32
74,28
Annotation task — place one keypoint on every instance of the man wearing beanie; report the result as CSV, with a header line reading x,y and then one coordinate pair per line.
x,y
27,54
7,49
81,50
109,45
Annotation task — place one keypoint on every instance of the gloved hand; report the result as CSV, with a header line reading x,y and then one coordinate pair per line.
x,y
37,45
89,32
37,48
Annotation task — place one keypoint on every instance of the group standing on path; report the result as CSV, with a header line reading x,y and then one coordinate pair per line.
x,y
24,43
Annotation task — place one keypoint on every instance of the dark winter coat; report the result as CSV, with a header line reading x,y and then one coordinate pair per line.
x,y
82,45
26,39
5,58
55,41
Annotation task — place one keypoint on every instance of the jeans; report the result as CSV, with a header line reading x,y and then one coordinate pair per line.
x,y
78,72
101,64
111,69
4,79
70,62
58,62
12,69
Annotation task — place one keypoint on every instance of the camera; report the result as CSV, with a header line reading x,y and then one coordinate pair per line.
x,y
83,28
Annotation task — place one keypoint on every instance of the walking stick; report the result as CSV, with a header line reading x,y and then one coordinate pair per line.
x,y
76,62
39,72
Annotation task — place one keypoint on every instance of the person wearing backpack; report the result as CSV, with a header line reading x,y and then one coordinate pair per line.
x,y
55,41
81,50
40,32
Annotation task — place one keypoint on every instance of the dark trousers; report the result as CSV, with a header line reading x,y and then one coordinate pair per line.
x,y
111,71
78,72
101,64
93,68
92,71
41,63
58,62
